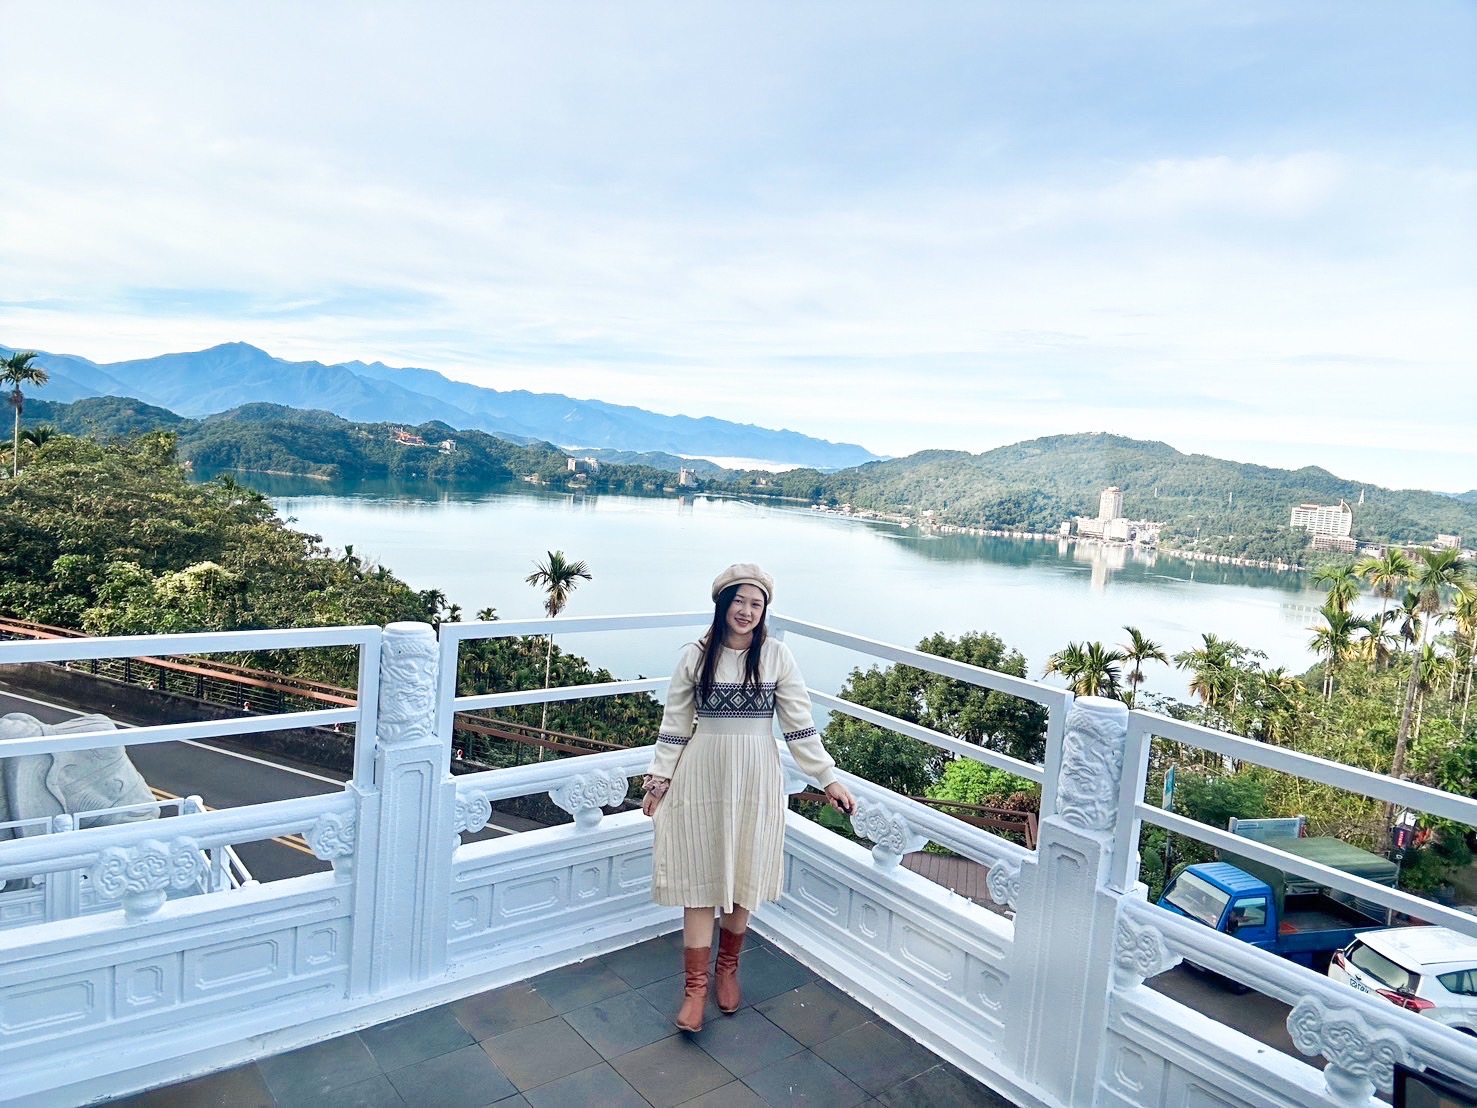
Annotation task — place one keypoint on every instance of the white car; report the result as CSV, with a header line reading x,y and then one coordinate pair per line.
x,y
1429,970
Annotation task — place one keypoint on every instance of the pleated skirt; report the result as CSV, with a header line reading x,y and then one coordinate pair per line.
x,y
719,833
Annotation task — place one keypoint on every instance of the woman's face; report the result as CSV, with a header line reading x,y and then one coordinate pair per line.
x,y
746,611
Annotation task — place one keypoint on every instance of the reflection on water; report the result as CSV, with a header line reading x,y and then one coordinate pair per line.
x,y
477,543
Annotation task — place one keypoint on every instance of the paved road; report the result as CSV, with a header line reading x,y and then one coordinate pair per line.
x,y
1261,1017
227,776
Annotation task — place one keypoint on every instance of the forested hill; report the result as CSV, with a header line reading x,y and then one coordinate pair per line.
x,y
271,438
1234,507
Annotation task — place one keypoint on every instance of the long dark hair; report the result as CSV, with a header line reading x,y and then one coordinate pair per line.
x,y
712,644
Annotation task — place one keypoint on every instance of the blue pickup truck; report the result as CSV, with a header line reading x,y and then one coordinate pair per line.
x,y
1305,927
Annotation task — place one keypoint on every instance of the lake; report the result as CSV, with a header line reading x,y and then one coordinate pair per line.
x,y
873,579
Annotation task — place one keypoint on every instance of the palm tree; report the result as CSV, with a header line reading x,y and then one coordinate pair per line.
x,y
16,371
1437,574
1464,614
1136,651
1211,667
1091,669
558,578
1408,614
1386,573
1335,639
1341,582
39,435
1068,662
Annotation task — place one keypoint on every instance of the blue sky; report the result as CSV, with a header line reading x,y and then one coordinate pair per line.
x,y
1245,229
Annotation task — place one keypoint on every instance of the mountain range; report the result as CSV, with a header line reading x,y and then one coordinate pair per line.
x,y
203,382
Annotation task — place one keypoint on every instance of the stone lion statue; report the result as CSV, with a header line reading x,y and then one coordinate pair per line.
x,y
34,785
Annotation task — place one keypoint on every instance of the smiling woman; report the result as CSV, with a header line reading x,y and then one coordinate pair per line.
x,y
716,790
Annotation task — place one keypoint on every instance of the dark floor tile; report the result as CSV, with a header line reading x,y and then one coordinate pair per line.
x,y
620,1024
804,1079
646,962
415,1038
598,1085
814,1012
571,987
540,1053
672,1071
745,1042
874,1058
666,997
301,1075
733,1095
767,973
242,1087
517,1100
465,1076
943,1087
377,1092
502,1010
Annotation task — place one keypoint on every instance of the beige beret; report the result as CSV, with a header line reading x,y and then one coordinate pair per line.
x,y
745,573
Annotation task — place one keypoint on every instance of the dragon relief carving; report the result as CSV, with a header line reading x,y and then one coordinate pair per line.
x,y
407,700
1092,767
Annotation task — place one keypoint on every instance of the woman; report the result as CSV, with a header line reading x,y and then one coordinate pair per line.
x,y
716,791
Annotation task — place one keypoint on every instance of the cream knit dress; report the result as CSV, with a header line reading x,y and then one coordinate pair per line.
x,y
720,830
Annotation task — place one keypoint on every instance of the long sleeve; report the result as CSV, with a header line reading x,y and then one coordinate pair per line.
x,y
792,703
681,711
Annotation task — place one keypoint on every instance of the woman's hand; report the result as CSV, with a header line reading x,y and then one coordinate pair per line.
x,y
656,788
840,797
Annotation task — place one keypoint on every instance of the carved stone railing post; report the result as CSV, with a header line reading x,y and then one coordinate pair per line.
x,y
585,795
62,891
1065,951
1361,1058
408,824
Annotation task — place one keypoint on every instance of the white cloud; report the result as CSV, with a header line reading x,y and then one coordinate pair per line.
x,y
731,208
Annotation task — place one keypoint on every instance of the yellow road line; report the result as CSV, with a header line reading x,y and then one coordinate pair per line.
x,y
296,842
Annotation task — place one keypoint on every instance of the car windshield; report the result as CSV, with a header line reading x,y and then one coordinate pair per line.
x,y
1391,975
1197,898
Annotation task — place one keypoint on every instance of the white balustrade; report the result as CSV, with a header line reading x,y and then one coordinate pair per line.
x,y
1044,1000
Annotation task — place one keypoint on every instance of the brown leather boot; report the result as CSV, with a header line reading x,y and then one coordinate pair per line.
x,y
726,980
695,962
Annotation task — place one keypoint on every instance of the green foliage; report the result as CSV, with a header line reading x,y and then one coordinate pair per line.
x,y
994,720
966,781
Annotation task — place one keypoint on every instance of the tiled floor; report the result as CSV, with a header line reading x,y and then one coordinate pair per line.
x,y
600,1033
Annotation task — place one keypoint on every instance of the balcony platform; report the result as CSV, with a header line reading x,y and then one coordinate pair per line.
x,y
600,1032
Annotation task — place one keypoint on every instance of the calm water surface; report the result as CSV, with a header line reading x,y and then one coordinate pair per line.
x,y
876,580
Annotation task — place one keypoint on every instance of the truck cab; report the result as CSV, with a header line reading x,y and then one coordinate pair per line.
x,y
1226,899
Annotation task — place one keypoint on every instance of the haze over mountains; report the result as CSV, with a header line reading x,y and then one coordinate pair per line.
x,y
223,377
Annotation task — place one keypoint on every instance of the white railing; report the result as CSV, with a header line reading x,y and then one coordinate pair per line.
x,y
1048,1007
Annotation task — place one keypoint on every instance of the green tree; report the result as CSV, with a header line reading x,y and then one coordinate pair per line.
x,y
1341,582
1438,575
998,721
15,371
1335,640
1386,574
558,577
1136,651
